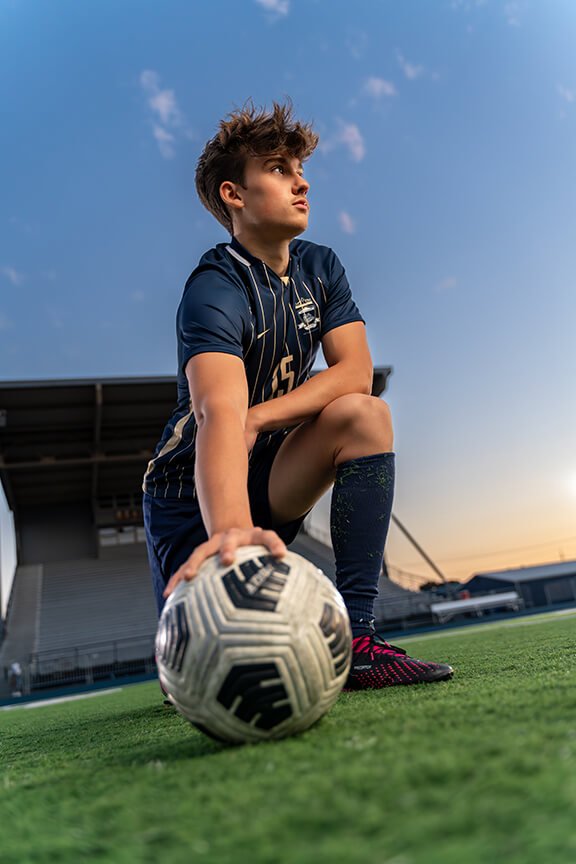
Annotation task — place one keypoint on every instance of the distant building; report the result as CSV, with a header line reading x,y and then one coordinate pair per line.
x,y
544,585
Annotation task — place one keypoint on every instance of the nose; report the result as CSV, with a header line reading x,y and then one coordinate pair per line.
x,y
301,185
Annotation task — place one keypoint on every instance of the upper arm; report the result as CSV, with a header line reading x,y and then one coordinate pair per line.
x,y
339,305
213,316
217,381
348,344
343,329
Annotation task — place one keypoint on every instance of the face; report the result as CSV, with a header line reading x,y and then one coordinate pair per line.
x,y
272,199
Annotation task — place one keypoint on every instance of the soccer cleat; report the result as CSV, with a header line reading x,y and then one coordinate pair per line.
x,y
377,664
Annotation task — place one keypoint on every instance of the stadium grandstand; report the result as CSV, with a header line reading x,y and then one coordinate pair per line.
x,y
75,594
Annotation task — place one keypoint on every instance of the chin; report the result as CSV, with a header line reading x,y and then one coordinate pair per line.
x,y
296,232
299,225
287,231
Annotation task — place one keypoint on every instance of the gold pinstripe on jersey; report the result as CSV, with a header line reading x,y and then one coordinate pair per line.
x,y
273,355
262,350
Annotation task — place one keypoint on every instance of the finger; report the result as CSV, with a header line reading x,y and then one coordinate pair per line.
x,y
228,547
241,537
175,579
189,570
272,541
185,573
171,585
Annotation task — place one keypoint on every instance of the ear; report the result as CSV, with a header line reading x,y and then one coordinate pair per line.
x,y
231,194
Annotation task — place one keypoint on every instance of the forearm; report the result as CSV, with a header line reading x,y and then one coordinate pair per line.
x,y
311,398
222,471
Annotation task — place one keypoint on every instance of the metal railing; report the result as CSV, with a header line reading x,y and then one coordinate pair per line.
x,y
89,663
91,654
409,612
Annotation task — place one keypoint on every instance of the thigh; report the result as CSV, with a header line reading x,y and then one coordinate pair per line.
x,y
352,426
302,472
261,464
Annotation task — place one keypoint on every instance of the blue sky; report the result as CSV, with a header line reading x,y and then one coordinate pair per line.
x,y
445,180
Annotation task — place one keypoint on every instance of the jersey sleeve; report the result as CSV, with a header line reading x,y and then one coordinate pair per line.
x,y
213,316
340,308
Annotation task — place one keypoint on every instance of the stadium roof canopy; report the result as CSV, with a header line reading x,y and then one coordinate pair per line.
x,y
528,574
73,440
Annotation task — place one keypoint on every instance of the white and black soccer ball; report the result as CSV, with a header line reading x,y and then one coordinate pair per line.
x,y
255,650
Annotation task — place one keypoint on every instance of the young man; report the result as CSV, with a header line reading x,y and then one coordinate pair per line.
x,y
254,441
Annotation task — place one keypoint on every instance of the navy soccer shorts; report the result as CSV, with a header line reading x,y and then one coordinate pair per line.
x,y
174,526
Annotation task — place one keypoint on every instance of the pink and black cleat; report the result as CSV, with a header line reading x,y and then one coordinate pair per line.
x,y
377,664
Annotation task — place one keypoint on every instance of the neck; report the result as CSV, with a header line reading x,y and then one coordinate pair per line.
x,y
274,253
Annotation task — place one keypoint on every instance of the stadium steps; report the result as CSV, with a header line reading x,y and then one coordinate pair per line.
x,y
316,552
85,602
393,601
22,622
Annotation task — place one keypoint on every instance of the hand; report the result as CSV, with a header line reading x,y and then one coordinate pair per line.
x,y
226,543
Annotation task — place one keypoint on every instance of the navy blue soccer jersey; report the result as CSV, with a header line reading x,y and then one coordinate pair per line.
x,y
234,303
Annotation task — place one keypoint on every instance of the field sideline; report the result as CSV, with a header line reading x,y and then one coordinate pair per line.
x,y
479,769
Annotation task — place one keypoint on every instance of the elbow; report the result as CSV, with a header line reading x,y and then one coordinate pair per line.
x,y
368,384
219,411
365,381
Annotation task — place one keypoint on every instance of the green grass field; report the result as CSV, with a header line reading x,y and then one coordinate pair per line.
x,y
480,769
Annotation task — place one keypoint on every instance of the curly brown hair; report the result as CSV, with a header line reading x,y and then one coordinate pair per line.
x,y
248,131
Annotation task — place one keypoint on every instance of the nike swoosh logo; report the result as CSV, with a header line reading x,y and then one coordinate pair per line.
x,y
259,336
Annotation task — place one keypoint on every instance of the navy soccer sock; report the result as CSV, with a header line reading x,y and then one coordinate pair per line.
x,y
359,519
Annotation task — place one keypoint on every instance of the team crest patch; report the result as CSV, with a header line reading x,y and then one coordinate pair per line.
x,y
306,311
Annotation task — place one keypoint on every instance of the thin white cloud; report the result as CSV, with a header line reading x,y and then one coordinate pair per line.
x,y
162,102
378,87
165,110
346,222
279,7
165,141
566,94
12,275
351,137
347,135
410,70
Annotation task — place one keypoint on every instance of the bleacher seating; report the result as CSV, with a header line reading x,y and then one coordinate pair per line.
x,y
90,601
396,603
316,552
96,618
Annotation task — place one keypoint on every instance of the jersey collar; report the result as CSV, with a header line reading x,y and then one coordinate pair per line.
x,y
243,252
252,259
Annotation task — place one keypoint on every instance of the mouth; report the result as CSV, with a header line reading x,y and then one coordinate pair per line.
x,y
302,203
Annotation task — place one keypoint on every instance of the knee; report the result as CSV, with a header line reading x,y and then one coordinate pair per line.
x,y
362,413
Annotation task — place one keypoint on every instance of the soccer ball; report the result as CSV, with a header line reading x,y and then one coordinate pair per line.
x,y
255,650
